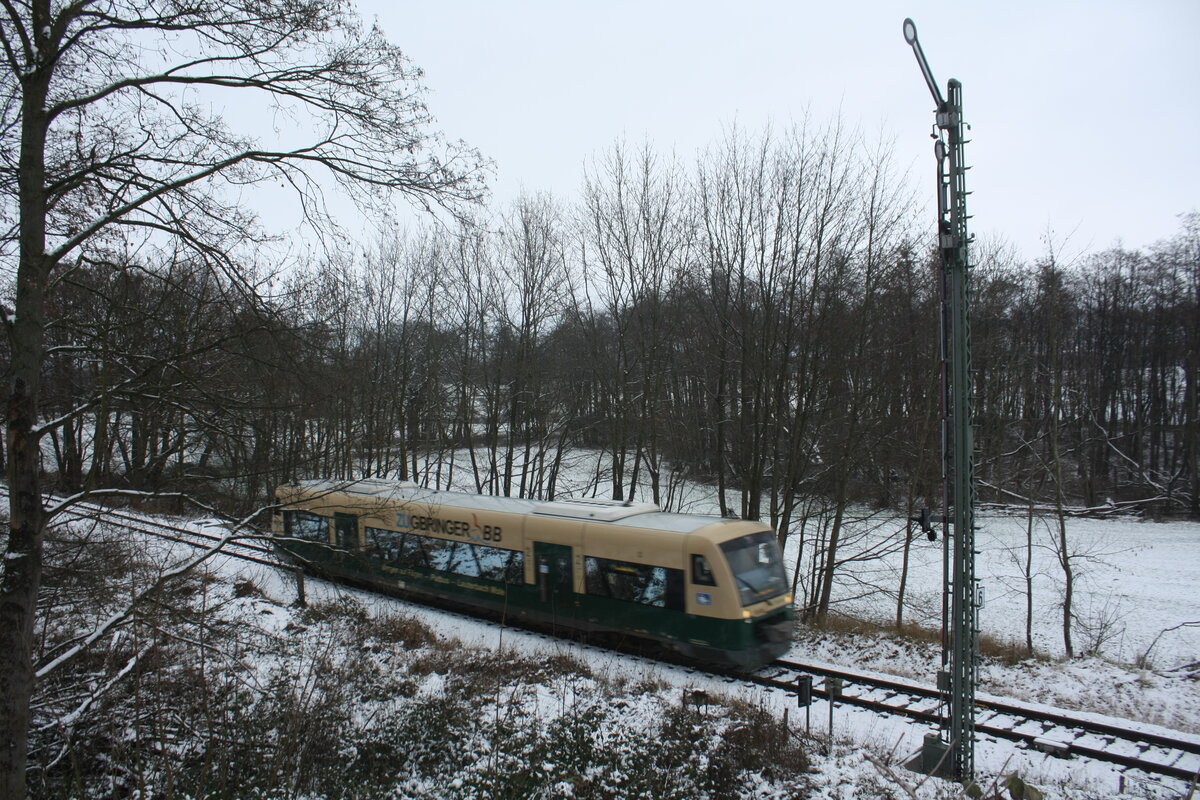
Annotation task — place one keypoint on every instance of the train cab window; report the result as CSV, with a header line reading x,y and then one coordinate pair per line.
x,y
634,583
702,574
757,567
305,525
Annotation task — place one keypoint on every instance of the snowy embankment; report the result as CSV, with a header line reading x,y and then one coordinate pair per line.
x,y
867,749
1135,587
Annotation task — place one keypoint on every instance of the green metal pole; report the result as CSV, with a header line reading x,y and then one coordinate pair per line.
x,y
964,636
960,653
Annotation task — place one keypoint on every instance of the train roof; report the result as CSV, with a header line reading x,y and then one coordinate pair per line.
x,y
616,512
409,492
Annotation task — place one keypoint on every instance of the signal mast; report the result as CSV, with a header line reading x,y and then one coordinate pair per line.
x,y
953,749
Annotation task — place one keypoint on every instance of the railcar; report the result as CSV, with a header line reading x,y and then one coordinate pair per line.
x,y
711,589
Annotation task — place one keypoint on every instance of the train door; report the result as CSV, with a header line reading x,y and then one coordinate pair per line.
x,y
554,578
345,539
345,531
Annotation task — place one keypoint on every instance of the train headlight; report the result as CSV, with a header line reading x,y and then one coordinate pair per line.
x,y
745,614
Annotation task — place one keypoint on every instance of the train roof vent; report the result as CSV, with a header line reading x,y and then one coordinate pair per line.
x,y
596,508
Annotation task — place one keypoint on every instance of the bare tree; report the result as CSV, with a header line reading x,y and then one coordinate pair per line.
x,y
879,237
471,302
635,244
1185,252
532,265
109,145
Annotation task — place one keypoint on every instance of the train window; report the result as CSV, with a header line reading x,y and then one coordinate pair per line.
x,y
440,553
757,567
500,565
466,561
634,583
383,545
515,572
410,553
702,574
655,593
305,525
377,542
461,558
492,562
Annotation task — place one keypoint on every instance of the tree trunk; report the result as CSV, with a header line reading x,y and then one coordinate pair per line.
x,y
903,587
1064,553
1029,579
1191,425
22,568
831,552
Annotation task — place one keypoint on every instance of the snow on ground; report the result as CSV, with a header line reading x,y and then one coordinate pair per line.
x,y
1134,582
1135,595
868,748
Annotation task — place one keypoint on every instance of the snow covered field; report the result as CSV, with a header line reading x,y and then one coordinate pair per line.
x,y
1135,580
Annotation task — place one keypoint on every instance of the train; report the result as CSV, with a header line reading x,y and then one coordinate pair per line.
x,y
709,589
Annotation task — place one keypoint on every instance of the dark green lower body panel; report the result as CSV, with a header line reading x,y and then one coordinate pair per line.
x,y
745,644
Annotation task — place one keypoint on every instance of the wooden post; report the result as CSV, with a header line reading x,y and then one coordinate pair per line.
x,y
301,600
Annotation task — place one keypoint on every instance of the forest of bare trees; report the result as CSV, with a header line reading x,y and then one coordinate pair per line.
x,y
764,320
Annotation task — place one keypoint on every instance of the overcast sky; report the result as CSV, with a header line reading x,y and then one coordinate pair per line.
x,y
1085,115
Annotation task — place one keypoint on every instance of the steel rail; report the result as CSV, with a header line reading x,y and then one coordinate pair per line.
x,y
158,529
1059,722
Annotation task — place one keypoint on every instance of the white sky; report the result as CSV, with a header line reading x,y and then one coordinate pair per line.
x,y
1085,115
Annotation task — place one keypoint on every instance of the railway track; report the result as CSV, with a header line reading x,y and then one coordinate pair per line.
x,y
247,550
1057,732
1053,731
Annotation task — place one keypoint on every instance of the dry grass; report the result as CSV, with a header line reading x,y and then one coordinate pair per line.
x,y
1003,650
485,669
399,629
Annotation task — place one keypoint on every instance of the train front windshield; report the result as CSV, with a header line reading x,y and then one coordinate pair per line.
x,y
757,567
